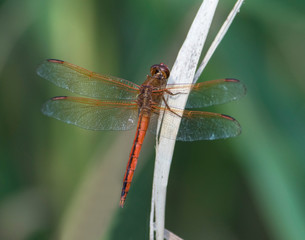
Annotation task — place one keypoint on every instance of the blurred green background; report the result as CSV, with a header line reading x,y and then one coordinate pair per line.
x,y
61,182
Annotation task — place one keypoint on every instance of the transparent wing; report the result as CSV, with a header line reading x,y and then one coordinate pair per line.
x,y
197,125
210,93
87,83
92,114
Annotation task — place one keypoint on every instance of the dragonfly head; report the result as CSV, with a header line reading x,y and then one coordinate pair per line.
x,y
160,71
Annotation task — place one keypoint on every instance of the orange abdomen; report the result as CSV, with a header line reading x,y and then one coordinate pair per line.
x,y
134,155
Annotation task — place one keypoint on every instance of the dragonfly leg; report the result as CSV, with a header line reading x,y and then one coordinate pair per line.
x,y
173,94
168,107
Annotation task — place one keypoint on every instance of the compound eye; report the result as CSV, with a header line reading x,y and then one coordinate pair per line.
x,y
154,69
160,68
164,70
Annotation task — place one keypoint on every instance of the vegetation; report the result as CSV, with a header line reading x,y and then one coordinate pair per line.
x,y
59,181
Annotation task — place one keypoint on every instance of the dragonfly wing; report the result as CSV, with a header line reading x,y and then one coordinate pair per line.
x,y
210,93
91,113
84,82
197,125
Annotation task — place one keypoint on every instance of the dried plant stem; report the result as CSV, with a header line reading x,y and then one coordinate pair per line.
x,y
183,71
221,33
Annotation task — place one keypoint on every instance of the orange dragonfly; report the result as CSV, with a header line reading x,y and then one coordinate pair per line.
x,y
118,104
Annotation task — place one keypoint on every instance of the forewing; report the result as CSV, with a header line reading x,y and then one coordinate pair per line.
x,y
210,93
87,83
197,125
92,114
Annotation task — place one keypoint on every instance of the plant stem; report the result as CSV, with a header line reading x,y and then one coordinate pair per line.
x,y
183,71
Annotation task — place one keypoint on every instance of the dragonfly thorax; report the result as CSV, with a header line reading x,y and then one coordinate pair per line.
x,y
144,99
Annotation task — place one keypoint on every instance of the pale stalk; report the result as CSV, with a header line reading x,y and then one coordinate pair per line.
x,y
221,33
183,71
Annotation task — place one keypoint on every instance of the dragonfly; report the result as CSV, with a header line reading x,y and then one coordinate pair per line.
x,y
113,103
